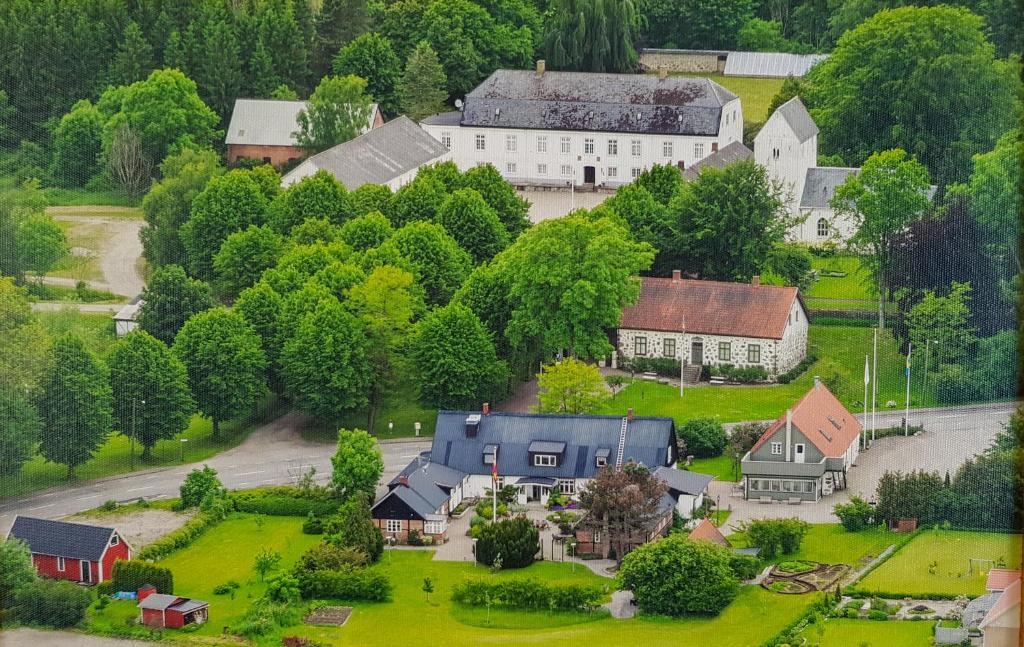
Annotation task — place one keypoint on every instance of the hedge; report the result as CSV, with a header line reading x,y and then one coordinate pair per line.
x,y
744,567
283,502
181,537
798,370
899,595
527,593
132,575
353,584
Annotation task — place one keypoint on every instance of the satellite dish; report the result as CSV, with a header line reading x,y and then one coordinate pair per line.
x,y
458,104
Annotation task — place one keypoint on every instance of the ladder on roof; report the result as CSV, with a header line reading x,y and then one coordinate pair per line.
x,y
622,443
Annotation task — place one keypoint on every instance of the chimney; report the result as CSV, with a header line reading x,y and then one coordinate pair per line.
x,y
487,408
472,425
662,73
629,415
756,280
789,432
540,67
676,275
403,480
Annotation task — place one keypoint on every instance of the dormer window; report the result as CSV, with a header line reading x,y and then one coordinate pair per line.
x,y
601,456
490,454
601,461
545,460
546,453
115,540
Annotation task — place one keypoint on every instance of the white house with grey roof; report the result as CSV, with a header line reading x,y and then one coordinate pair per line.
x,y
390,155
586,129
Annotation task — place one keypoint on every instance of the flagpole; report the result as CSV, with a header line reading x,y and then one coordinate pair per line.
x,y
874,387
867,380
906,418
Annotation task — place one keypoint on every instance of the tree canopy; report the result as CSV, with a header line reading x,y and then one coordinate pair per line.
x,y
337,111
169,300
570,386
592,35
357,464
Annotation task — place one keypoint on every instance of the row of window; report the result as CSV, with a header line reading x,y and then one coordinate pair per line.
x,y
545,460
781,485
429,527
777,448
565,145
668,349
565,170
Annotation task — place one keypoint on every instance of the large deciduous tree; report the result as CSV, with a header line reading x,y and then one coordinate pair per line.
x,y
621,503
371,57
592,35
225,363
317,196
75,404
570,278
24,342
41,242
337,111
570,386
995,191
77,143
473,224
439,264
337,23
169,300
421,89
944,321
696,23
244,256
366,232
152,400
357,464
20,427
513,211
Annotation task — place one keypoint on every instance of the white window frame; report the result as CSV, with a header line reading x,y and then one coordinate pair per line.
x,y
61,564
545,460
566,170
446,139
822,228
597,537
724,351
433,527
510,168
666,149
565,145
511,143
639,342
754,354
542,143
588,146
776,449
601,461
809,487
635,172
542,169
394,525
612,171
481,142
613,147
115,540
799,448
636,147
698,151
566,486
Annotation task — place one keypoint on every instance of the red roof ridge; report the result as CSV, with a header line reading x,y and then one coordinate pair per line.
x,y
707,531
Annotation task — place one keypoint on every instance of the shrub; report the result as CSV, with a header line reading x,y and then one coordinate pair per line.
x,y
179,538
744,567
855,515
675,577
664,366
225,588
527,594
131,575
326,556
312,525
109,505
197,485
351,584
955,384
355,529
776,536
414,538
744,375
264,615
798,370
851,613
52,603
792,262
285,502
704,437
283,587
485,508
515,540
743,436
875,614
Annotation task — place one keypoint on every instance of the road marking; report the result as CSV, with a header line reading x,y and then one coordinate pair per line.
x,y
88,496
136,489
248,473
243,483
48,505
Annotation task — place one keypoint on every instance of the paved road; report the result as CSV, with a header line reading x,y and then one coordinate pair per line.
x,y
272,455
26,637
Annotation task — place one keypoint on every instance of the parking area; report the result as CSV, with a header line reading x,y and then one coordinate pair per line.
x,y
555,203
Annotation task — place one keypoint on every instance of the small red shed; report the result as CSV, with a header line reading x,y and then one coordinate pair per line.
x,y
170,611
71,551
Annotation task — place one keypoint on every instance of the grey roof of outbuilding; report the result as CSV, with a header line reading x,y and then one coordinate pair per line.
x,y
424,493
269,122
190,605
674,105
684,481
733,152
411,498
794,112
424,469
978,608
159,601
821,184
377,156
770,64
648,441
61,538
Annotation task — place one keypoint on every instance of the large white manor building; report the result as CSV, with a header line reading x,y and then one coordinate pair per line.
x,y
555,128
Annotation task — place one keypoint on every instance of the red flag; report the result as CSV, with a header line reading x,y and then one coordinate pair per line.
x,y
494,469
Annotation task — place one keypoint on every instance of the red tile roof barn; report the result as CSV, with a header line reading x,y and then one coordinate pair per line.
x,y
823,419
710,308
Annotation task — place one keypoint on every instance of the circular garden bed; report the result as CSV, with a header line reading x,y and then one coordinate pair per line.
x,y
798,576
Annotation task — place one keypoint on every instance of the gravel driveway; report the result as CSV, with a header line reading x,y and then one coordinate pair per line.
x,y
139,527
545,205
121,249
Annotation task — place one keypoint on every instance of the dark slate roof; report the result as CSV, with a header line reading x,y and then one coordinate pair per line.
x,y
684,481
425,491
61,538
795,114
546,447
733,152
424,470
648,441
821,184
452,118
675,105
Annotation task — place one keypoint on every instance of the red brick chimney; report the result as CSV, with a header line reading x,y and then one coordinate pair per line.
x,y
403,480
629,415
755,281
487,408
676,275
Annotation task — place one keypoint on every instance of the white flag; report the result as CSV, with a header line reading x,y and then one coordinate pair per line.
x,y
867,373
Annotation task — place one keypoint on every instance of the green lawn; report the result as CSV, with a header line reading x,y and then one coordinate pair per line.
x,y
96,329
721,467
57,196
840,632
88,236
113,458
832,544
400,407
755,93
947,553
855,285
846,345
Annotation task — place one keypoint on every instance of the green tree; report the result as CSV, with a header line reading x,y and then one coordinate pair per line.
x,y
24,342
366,232
473,224
759,35
704,437
337,111
170,299
454,360
75,404
436,260
337,23
150,389
318,196
284,93
570,386
243,256
922,79
888,194
369,198
41,243
16,570
228,204
855,515
726,222
370,56
422,86
198,484
994,188
20,429
570,279
133,59
622,502
697,24
218,68
169,202
911,495
776,536
513,211
592,36
225,364
678,577
647,219
792,262
315,231
262,80
355,528
662,180
261,306
357,465
510,543
284,38
52,603
417,200
77,141
944,321
325,363
266,560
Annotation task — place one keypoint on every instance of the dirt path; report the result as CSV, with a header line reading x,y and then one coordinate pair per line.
x,y
120,248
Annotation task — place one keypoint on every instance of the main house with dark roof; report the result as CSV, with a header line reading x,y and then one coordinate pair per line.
x,y
806,453
715,323
71,551
587,129
536,453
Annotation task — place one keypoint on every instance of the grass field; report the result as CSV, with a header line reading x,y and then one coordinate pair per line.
x,y
833,544
400,407
937,561
845,345
840,632
855,285
755,94
96,329
721,467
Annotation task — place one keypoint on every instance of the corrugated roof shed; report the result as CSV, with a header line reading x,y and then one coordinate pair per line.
x,y
61,538
770,64
269,122
638,103
375,157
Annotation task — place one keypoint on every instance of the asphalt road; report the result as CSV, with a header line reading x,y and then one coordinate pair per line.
x,y
276,454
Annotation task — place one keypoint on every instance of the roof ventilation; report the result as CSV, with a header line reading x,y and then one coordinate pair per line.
x,y
472,425
823,433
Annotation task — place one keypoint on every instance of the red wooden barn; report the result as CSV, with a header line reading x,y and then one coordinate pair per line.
x,y
170,611
71,551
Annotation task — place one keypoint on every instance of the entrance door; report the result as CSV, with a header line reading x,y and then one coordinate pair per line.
x,y
86,571
697,353
589,175
798,453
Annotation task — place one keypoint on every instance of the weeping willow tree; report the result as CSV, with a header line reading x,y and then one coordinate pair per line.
x,y
592,35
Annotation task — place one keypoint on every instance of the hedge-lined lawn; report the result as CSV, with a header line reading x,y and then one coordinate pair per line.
x,y
907,572
721,467
113,458
841,632
830,543
855,285
400,407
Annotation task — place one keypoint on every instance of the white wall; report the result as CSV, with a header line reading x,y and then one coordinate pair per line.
x,y
777,149
687,503
792,349
684,346
840,228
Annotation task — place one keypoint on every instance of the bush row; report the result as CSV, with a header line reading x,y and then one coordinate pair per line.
x,y
283,502
349,584
664,366
899,595
744,567
527,594
132,575
181,537
742,374
798,370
